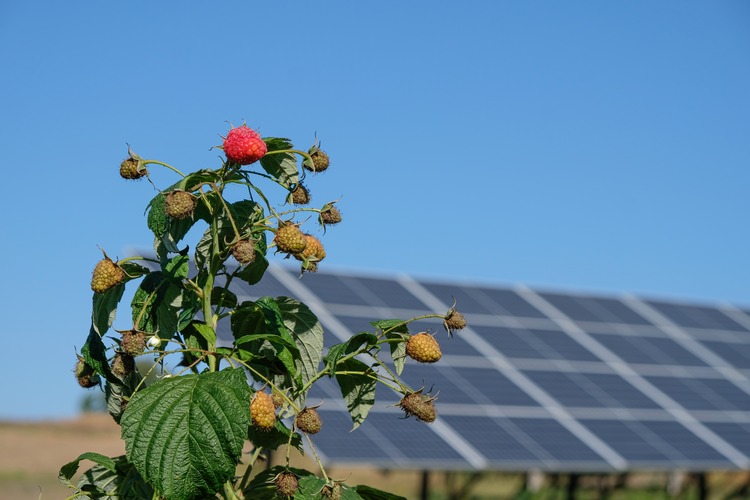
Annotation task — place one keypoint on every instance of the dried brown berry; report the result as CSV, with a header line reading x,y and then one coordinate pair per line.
x,y
300,195
330,216
132,167
320,160
418,405
308,421
85,374
179,204
107,274
332,492
123,364
286,483
244,251
454,321
262,411
133,342
277,398
289,239
423,348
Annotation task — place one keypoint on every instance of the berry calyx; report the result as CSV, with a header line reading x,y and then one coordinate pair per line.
x,y
123,364
244,146
107,274
454,321
289,239
423,348
308,421
179,204
262,411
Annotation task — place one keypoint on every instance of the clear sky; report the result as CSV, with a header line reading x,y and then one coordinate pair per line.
x,y
587,145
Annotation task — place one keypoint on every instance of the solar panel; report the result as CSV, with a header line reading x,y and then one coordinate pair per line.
x,y
553,381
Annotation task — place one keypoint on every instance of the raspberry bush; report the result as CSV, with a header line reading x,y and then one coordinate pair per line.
x,y
184,429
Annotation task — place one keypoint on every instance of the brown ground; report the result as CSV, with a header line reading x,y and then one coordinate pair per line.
x,y
31,455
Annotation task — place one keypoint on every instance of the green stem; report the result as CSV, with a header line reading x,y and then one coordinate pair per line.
x,y
226,208
249,470
170,167
317,458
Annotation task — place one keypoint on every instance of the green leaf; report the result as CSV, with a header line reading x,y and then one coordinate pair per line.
x,y
105,308
274,438
278,143
262,486
176,268
156,305
223,297
68,470
185,434
358,390
282,167
307,333
95,355
309,487
337,351
370,493
124,483
157,219
397,329
192,181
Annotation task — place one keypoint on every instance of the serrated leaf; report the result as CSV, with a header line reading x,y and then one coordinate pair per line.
x,y
358,390
307,333
192,181
104,308
68,470
282,167
337,351
124,483
157,219
185,434
370,493
278,143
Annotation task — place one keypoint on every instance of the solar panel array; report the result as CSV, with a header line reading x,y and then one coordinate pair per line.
x,y
540,380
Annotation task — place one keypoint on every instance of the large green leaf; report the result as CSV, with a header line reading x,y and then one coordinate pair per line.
x,y
185,434
68,470
358,389
282,167
111,478
308,336
156,305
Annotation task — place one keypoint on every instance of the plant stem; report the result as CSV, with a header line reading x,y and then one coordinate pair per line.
x,y
170,167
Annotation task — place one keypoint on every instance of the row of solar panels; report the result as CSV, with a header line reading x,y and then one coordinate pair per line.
x,y
541,380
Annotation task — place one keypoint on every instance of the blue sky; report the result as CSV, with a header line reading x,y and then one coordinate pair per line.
x,y
596,146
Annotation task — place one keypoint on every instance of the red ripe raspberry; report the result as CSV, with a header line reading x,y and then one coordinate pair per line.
x,y
244,145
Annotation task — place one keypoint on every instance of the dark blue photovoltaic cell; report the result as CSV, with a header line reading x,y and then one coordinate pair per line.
x,y
660,351
697,316
534,343
641,441
735,353
494,442
330,289
466,385
387,293
738,435
504,302
413,440
598,309
556,440
590,390
357,445
268,286
703,393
